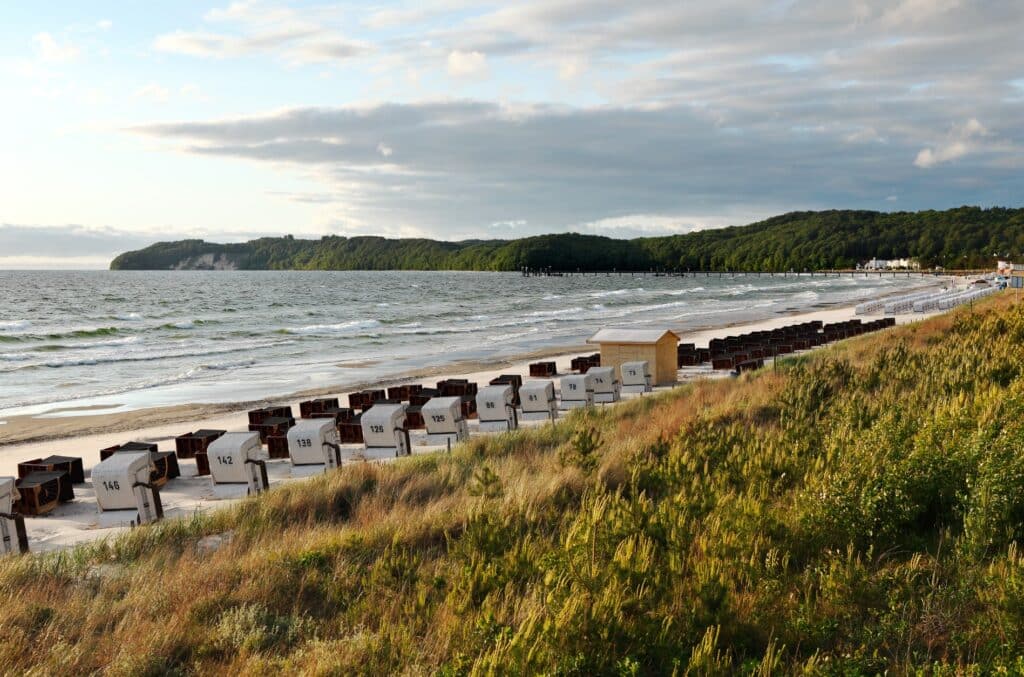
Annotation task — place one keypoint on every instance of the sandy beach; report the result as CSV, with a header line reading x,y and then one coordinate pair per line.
x,y
83,433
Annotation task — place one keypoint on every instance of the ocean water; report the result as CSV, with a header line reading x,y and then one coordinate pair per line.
x,y
140,339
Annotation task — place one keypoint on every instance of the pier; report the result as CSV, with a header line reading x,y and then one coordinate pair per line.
x,y
550,272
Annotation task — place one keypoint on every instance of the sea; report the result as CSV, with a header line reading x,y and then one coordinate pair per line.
x,y
72,342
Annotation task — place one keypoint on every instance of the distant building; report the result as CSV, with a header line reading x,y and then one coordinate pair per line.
x,y
892,264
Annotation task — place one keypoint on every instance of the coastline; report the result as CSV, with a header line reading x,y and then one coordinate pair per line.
x,y
39,404
84,435
95,428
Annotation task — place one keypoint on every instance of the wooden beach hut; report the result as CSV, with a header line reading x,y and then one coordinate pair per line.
x,y
655,346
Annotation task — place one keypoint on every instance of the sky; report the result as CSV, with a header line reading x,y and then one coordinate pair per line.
x,y
127,123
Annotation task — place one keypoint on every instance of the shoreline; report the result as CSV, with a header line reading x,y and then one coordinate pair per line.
x,y
45,432
208,386
65,421
83,436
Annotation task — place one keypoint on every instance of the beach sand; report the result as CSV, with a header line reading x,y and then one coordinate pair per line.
x,y
72,432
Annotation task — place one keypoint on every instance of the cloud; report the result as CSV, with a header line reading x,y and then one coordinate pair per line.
x,y
465,164
637,116
570,68
70,246
153,92
258,28
48,49
192,91
104,24
958,145
467,64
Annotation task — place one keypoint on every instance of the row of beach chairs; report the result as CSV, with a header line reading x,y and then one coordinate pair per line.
x,y
129,476
748,351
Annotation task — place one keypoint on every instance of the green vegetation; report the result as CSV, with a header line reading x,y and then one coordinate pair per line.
x,y
857,511
967,237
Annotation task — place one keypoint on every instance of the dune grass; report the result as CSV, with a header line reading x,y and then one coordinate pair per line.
x,y
855,511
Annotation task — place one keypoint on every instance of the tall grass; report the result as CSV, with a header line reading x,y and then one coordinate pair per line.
x,y
856,511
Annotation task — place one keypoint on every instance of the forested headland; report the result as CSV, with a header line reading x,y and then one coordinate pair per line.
x,y
966,237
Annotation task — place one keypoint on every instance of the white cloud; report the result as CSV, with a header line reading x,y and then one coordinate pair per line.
x,y
104,24
253,27
957,145
393,18
467,64
384,150
571,67
650,225
193,44
153,92
50,50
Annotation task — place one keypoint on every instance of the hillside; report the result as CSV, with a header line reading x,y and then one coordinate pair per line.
x,y
856,511
967,237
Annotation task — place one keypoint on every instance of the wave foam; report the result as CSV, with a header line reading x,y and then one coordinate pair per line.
x,y
340,328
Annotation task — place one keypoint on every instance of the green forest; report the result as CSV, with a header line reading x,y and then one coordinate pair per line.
x,y
966,237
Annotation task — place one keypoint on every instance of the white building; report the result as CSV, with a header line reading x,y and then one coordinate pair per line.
x,y
892,264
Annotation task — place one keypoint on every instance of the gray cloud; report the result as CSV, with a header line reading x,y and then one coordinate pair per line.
x,y
713,111
69,246
67,241
456,166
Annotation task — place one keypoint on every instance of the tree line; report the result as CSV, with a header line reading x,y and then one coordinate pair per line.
x,y
966,237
